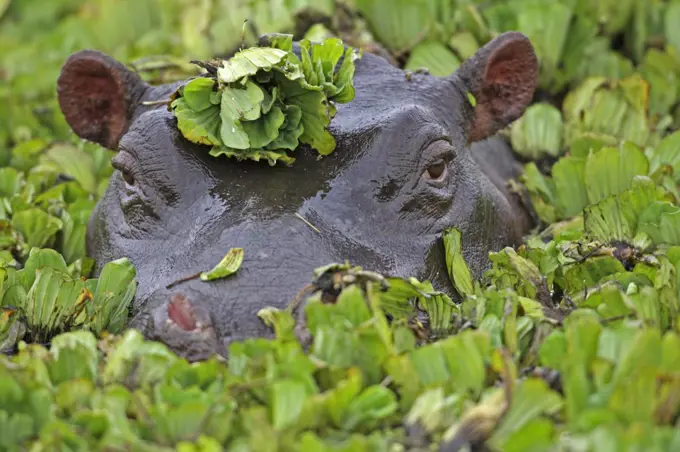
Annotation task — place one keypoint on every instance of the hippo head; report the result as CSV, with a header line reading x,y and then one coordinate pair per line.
x,y
416,154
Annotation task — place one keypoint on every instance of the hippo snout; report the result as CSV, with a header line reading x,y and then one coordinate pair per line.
x,y
185,326
198,319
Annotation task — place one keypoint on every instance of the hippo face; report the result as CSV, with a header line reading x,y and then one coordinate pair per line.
x,y
414,156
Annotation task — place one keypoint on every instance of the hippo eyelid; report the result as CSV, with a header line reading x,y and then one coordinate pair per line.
x,y
123,161
436,153
435,150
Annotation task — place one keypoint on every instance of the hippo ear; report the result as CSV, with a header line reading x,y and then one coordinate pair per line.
x,y
98,96
502,77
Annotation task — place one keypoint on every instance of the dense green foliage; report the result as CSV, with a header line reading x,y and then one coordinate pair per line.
x,y
570,342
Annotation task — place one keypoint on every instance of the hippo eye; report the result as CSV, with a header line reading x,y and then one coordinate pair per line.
x,y
436,170
128,178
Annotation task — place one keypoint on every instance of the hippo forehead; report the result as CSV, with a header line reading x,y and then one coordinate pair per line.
x,y
386,100
380,136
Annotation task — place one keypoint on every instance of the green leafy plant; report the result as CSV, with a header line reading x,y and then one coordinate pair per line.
x,y
265,101
44,298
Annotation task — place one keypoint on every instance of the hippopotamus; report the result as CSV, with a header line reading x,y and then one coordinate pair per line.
x,y
416,154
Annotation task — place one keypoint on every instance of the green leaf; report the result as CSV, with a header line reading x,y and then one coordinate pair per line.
x,y
263,131
440,309
4,4
671,18
240,104
464,44
344,78
75,222
269,100
650,220
466,355
398,24
229,265
532,398
11,181
315,117
511,270
667,152
116,287
374,403
547,26
328,54
430,364
290,131
39,259
570,189
538,132
248,62
253,154
202,127
459,273
617,110
433,56
52,303
288,398
542,192
37,226
610,171
75,356
616,217
589,142
280,41
197,93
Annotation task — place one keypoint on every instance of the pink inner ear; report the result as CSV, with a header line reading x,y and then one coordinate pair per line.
x,y
513,66
508,84
92,98
513,58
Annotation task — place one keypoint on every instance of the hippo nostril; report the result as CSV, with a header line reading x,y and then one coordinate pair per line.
x,y
181,312
186,327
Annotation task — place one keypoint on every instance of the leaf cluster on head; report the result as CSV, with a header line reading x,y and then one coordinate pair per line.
x,y
265,101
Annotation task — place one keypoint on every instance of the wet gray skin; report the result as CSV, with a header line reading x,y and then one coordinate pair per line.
x,y
413,157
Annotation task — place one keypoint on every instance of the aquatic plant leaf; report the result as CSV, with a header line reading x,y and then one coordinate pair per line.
x,y
538,132
532,398
264,130
459,273
72,162
610,171
37,226
273,157
115,289
198,92
315,117
239,104
248,62
200,128
433,56
290,131
398,24
229,265
569,175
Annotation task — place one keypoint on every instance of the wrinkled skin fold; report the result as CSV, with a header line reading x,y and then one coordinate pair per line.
x,y
414,157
